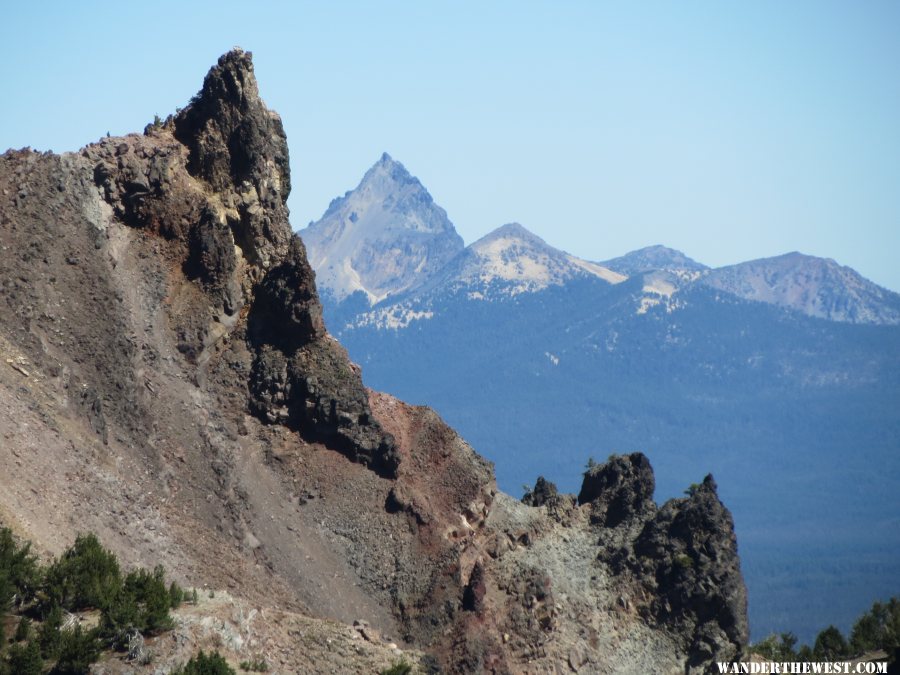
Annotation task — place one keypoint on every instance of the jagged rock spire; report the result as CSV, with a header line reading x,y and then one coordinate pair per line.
x,y
231,134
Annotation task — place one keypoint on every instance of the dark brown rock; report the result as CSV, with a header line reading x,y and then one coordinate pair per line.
x,y
619,490
543,492
302,377
236,144
687,556
475,590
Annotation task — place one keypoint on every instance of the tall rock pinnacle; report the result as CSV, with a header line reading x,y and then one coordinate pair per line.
x,y
214,180
236,144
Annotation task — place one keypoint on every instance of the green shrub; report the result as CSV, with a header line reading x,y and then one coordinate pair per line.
x,y
683,561
255,666
692,489
399,668
26,659
78,649
6,592
203,664
176,595
85,576
777,647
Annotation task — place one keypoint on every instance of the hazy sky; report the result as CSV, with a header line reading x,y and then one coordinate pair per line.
x,y
728,130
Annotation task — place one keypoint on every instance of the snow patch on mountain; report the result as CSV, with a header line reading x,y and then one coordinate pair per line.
x,y
660,287
510,261
393,317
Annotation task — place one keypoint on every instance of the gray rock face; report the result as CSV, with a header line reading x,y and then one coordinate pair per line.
x,y
381,238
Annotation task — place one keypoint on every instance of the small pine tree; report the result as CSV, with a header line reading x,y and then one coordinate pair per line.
x,y
152,597
77,651
830,645
85,576
206,664
6,592
119,619
49,634
19,571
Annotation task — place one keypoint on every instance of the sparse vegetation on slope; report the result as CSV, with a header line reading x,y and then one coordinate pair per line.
x,y
206,664
85,577
876,630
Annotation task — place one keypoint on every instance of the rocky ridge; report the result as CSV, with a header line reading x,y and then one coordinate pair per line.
x,y
171,386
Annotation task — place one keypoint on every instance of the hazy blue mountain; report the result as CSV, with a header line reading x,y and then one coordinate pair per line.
x,y
542,359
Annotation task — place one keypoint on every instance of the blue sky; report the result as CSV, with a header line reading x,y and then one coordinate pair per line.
x,y
728,130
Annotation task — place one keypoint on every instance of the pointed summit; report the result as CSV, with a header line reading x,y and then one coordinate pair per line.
x,y
381,238
232,137
513,231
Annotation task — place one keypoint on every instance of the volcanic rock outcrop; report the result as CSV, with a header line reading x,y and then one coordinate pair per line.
x,y
170,385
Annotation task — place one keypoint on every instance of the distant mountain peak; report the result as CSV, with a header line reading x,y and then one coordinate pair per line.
x,y
513,229
381,238
512,233
652,258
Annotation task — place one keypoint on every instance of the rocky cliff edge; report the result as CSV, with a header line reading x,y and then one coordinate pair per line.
x,y
170,385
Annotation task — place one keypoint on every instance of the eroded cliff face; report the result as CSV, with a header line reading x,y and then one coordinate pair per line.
x,y
171,386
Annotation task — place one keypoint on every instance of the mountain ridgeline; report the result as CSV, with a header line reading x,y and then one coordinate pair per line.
x,y
781,375
169,384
